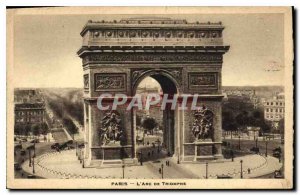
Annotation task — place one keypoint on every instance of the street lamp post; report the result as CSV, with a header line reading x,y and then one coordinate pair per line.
x,y
141,158
33,170
206,170
239,142
266,148
34,148
29,156
256,142
123,168
83,162
162,171
241,169
76,148
80,155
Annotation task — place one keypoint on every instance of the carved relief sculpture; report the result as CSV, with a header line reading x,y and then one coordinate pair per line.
x,y
110,82
208,80
111,131
86,81
203,124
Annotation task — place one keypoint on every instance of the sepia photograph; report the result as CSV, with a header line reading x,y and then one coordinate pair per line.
x,y
150,98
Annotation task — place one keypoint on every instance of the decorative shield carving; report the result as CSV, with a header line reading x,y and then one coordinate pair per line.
x,y
203,124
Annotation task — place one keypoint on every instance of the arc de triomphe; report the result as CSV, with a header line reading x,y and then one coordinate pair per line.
x,y
185,58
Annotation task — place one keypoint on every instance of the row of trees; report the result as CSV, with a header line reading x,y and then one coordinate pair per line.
x,y
70,126
149,124
31,129
75,106
232,121
238,114
61,104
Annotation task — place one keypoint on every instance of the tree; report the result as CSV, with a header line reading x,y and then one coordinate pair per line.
x,y
19,129
149,124
44,128
70,126
265,127
35,129
242,119
228,121
281,125
27,129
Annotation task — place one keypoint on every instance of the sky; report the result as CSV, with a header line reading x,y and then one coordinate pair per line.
x,y
45,48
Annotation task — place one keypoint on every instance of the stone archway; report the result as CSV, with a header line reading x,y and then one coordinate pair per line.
x,y
117,55
170,86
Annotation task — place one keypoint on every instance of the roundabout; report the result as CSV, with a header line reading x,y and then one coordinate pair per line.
x,y
65,165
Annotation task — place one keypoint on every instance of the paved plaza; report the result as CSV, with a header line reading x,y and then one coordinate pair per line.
x,y
65,164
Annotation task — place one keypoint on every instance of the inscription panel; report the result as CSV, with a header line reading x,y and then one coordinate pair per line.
x,y
110,82
204,80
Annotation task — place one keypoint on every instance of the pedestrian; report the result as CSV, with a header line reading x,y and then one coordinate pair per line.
x,y
249,170
148,154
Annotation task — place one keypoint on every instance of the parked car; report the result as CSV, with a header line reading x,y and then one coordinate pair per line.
x,y
23,152
69,142
277,149
278,174
81,146
63,146
31,176
71,147
17,166
254,149
35,141
277,154
224,177
18,147
55,146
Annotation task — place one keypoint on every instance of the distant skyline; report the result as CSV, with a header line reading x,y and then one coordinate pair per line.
x,y
45,48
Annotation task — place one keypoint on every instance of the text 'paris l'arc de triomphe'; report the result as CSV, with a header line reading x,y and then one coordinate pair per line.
x,y
185,58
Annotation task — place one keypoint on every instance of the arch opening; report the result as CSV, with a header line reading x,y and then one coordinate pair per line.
x,y
158,142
